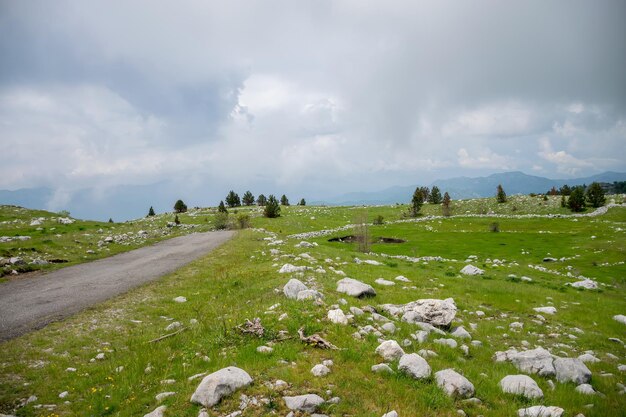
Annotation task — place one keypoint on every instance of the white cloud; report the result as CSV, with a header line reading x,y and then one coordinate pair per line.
x,y
498,119
565,162
484,158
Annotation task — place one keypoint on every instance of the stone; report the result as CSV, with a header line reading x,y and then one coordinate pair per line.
x,y
264,349
545,310
390,350
158,412
587,284
414,365
382,368
381,281
337,316
432,311
571,370
588,358
454,384
160,397
355,288
540,411
620,318
521,385
471,270
402,278
293,287
585,389
290,269
307,403
356,311
536,361
447,342
320,370
461,333
180,299
392,413
309,295
389,328
220,384
175,325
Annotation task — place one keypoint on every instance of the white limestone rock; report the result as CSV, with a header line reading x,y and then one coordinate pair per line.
x,y
521,385
571,370
454,384
307,403
355,288
293,287
540,411
337,316
414,365
390,350
220,384
471,270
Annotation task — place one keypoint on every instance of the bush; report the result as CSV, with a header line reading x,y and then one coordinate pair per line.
x,y
180,207
176,219
576,200
220,221
302,202
378,220
272,209
494,227
243,221
221,208
361,232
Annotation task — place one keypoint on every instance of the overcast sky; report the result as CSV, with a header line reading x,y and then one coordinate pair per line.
x,y
317,96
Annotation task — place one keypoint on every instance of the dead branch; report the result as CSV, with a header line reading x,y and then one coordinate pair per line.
x,y
316,340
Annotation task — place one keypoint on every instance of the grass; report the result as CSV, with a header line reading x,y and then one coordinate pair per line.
x,y
240,281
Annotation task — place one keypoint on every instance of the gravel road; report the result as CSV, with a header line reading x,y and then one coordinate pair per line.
x,y
31,303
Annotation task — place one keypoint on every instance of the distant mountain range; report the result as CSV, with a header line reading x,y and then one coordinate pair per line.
x,y
127,202
466,187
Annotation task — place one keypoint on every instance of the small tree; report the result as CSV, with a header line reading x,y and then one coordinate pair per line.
x,y
435,196
180,207
565,190
284,201
243,221
176,219
595,195
500,194
220,221
554,191
563,201
361,232
110,220
425,193
261,200
232,199
272,209
302,202
576,200
445,205
417,201
151,212
221,208
248,198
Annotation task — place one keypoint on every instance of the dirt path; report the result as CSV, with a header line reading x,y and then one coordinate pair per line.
x,y
33,302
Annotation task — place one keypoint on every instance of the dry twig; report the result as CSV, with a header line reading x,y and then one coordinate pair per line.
x,y
253,327
158,339
316,340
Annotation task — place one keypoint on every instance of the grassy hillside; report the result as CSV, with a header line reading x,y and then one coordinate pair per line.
x,y
240,281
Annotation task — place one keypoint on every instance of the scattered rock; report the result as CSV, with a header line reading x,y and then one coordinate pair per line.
x,y
293,287
432,311
382,368
540,411
355,288
158,412
337,316
585,389
471,270
390,350
381,281
219,384
447,342
545,310
521,385
571,370
320,370
290,269
414,365
160,397
307,403
392,413
454,384
180,299
620,318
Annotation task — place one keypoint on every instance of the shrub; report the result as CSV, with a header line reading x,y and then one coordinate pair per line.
x,y
565,190
151,212
284,201
248,198
563,201
220,221
445,205
176,219
272,209
545,197
417,201
435,196
302,202
243,221
500,194
361,232
110,220
494,227
180,207
576,200
232,199
378,220
595,195
221,208
261,200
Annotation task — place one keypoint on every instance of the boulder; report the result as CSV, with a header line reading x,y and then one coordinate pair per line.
x,y
471,270
158,412
320,370
220,384
355,288
545,310
307,403
390,350
540,411
585,389
587,284
620,318
382,368
454,384
536,361
293,287
414,365
447,342
336,316
432,311
392,413
381,281
571,370
461,333
521,385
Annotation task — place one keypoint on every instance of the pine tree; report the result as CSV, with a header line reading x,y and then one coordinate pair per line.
x,y
151,212
416,202
435,196
272,208
247,199
261,200
565,190
302,202
110,220
425,193
563,201
284,201
232,199
595,195
500,194
180,207
576,200
221,208
554,191
445,205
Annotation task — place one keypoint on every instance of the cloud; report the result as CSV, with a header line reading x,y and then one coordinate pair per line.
x,y
485,158
565,162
